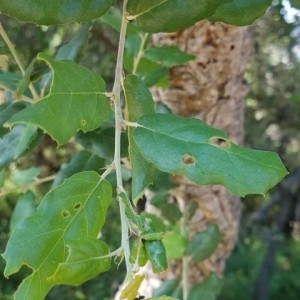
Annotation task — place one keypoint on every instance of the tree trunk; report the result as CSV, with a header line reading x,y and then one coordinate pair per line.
x,y
211,88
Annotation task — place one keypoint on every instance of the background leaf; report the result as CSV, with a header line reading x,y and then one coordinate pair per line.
x,y
170,15
204,243
208,289
186,146
240,12
138,102
74,210
75,102
36,11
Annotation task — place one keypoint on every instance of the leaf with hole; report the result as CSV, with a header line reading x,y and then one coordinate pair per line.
x,y
204,154
169,15
71,212
240,12
56,12
76,101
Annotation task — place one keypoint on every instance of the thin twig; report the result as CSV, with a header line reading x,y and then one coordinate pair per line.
x,y
14,53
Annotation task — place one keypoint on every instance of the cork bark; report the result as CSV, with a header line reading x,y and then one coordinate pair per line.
x,y
211,88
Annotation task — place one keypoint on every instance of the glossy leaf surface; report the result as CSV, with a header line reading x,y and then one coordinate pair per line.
x,y
76,101
240,12
188,146
138,102
45,12
73,211
170,15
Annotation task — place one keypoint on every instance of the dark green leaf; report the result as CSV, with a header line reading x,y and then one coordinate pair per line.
x,y
17,142
81,161
24,208
204,243
71,212
7,110
9,81
24,83
85,261
188,146
76,101
240,12
168,56
138,102
166,288
102,142
170,15
58,12
208,289
157,255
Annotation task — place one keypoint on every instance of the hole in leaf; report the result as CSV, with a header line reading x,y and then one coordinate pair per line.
x,y
83,122
220,142
77,206
188,159
65,213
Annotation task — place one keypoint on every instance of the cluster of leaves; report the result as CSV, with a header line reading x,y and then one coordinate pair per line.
x,y
59,240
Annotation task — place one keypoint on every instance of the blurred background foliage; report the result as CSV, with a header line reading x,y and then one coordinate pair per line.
x,y
266,260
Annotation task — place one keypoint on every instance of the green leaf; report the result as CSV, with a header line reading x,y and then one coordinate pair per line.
x,y
58,12
85,261
22,177
166,288
175,243
204,243
7,110
208,289
81,161
188,146
138,102
24,208
71,212
17,142
240,12
74,102
102,142
162,298
168,56
295,3
157,255
9,80
170,15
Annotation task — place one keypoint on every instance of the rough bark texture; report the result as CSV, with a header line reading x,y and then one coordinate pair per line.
x,y
211,88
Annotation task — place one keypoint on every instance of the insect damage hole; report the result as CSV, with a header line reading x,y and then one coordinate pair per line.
x,y
220,142
77,206
65,213
188,159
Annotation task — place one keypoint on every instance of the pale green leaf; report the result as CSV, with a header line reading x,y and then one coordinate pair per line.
x,y
207,290
57,12
22,177
86,259
73,211
204,243
175,243
240,12
170,15
138,102
168,56
188,146
24,208
76,101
